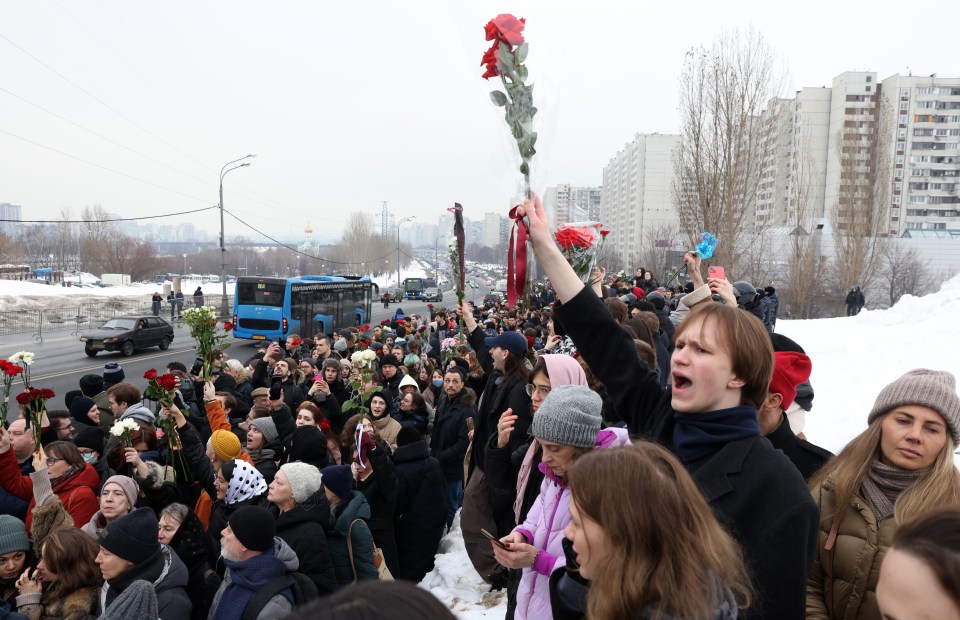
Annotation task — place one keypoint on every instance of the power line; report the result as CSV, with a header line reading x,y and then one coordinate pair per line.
x,y
113,219
95,165
296,251
103,137
101,102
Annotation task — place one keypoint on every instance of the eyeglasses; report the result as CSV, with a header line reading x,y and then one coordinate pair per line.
x,y
53,460
532,388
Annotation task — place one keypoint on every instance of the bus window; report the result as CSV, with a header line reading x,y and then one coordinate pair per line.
x,y
260,293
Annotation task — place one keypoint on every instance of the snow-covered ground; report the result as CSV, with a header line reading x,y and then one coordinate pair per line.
x,y
853,358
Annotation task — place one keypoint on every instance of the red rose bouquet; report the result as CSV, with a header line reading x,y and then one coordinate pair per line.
x,y
9,372
163,388
580,244
34,403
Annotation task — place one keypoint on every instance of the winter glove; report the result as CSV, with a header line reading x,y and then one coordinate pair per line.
x,y
365,445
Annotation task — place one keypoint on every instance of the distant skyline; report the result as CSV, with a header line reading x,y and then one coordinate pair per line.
x,y
136,108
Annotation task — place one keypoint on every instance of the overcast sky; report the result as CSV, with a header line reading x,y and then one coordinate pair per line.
x,y
136,106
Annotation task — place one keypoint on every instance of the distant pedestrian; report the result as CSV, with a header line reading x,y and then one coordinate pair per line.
x,y
198,297
855,300
179,298
172,300
155,302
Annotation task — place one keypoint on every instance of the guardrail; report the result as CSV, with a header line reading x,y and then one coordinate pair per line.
x,y
89,315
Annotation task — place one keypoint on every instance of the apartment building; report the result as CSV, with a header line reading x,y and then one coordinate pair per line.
x,y
925,152
636,203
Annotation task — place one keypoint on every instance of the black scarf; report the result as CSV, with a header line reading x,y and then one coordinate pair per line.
x,y
698,436
149,571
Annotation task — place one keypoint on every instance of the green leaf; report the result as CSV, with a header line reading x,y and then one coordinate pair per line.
x,y
498,98
348,406
522,72
376,390
505,60
224,345
521,52
524,168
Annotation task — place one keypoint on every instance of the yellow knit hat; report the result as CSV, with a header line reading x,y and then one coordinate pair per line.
x,y
225,445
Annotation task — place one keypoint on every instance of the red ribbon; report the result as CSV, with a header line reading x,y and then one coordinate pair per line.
x,y
516,268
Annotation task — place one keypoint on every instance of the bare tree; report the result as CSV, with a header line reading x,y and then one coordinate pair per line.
x,y
859,216
722,96
67,247
805,265
656,245
905,272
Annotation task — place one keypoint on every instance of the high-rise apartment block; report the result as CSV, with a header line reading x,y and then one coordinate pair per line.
x,y
893,144
568,204
10,213
636,204
925,152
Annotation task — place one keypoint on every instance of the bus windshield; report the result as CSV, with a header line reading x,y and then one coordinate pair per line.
x,y
260,293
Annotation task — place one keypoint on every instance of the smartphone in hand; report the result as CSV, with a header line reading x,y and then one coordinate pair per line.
x,y
716,272
494,539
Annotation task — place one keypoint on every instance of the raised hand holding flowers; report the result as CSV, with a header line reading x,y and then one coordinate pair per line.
x,y
210,342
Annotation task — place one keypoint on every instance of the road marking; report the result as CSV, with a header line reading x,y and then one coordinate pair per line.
x,y
100,367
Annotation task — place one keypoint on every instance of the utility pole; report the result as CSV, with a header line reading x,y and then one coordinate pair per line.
x,y
224,311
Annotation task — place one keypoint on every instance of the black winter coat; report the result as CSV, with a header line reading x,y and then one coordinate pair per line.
x,y
503,469
380,489
421,512
805,456
449,441
509,394
418,418
302,528
754,489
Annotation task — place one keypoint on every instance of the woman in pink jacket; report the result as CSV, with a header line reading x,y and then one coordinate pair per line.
x,y
567,425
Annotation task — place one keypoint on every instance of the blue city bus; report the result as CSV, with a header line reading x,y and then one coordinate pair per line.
x,y
267,308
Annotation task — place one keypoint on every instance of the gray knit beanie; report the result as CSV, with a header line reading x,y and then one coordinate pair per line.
x,y
570,416
936,389
305,480
13,535
267,428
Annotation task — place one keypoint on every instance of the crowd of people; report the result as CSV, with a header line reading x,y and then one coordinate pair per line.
x,y
615,449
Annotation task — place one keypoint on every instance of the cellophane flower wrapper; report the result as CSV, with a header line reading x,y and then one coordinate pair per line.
x,y
580,243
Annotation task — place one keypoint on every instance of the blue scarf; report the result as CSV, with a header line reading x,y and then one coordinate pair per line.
x,y
246,578
698,436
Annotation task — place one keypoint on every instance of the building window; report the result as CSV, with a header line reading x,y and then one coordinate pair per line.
x,y
904,92
869,88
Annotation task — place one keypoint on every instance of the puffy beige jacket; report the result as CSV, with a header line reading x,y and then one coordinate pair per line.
x,y
852,568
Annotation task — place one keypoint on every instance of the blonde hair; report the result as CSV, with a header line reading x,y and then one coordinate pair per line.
x,y
939,485
669,552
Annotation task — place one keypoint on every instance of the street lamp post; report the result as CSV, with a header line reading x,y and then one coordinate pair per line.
x,y
223,250
406,219
184,264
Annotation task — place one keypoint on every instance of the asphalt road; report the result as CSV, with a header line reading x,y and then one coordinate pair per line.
x,y
60,360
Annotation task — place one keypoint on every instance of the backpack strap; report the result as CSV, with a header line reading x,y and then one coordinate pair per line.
x,y
263,596
353,565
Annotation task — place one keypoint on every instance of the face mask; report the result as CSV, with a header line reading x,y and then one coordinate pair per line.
x,y
437,382
90,457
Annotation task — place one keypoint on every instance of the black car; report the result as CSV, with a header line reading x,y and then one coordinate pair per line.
x,y
128,334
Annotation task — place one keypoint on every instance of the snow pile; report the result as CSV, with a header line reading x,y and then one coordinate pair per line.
x,y
854,357
15,295
454,581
